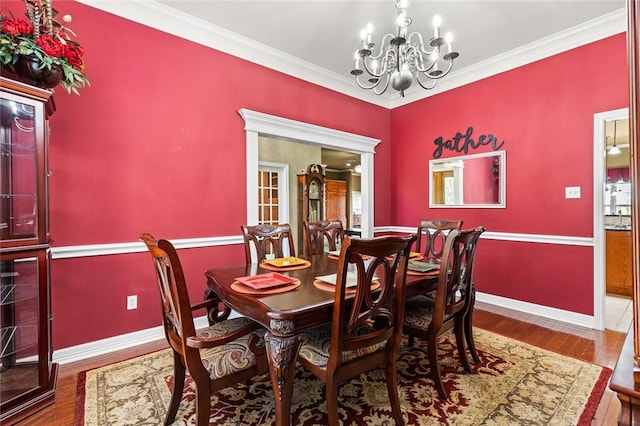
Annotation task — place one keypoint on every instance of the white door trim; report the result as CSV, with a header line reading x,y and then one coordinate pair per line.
x,y
257,123
599,179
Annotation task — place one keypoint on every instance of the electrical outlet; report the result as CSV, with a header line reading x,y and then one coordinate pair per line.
x,y
572,192
132,302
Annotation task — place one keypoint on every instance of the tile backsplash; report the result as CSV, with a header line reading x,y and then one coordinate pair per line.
x,y
617,220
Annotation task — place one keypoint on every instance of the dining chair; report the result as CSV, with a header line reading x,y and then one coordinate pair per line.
x,y
316,233
366,327
429,319
433,234
266,239
218,356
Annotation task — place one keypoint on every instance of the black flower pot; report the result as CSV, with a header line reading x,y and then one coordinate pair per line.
x,y
26,69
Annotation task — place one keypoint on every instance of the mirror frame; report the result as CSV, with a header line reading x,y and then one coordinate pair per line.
x,y
435,164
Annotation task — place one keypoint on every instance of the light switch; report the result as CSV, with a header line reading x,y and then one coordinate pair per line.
x,y
572,192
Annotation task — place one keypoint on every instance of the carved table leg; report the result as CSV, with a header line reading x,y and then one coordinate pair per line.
x,y
282,352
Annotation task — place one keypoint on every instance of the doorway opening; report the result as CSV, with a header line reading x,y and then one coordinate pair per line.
x,y
258,124
612,223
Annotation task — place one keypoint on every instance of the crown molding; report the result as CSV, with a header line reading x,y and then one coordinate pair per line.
x,y
588,32
169,20
174,22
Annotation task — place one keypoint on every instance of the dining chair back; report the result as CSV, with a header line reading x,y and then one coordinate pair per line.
x,y
432,235
428,318
218,356
262,240
320,233
366,327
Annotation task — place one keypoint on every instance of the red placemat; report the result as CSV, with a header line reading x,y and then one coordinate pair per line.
x,y
241,288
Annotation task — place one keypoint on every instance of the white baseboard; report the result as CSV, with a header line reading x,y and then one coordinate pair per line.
x,y
116,343
124,341
539,310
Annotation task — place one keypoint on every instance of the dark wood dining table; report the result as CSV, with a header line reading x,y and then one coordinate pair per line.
x,y
286,315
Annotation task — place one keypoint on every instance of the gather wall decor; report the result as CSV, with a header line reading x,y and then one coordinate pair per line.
x,y
462,142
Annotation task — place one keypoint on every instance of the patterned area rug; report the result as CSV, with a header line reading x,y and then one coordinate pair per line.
x,y
515,384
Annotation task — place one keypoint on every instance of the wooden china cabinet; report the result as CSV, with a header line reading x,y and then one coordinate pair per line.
x,y
27,374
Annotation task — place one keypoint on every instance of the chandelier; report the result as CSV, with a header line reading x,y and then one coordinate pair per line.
x,y
401,58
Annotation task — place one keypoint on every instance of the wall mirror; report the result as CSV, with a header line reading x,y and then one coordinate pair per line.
x,y
468,181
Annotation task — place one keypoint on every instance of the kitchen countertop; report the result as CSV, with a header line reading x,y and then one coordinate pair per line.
x,y
617,227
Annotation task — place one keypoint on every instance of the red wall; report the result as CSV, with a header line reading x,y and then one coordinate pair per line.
x,y
156,145
544,114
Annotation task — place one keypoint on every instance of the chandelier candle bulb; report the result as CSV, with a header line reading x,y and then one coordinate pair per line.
x,y
436,24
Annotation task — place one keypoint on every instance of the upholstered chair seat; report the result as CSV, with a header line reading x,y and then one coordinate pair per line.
x,y
231,357
318,345
418,312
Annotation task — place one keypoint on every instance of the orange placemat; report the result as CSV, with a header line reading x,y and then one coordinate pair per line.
x,y
241,288
269,267
334,257
415,256
319,284
412,256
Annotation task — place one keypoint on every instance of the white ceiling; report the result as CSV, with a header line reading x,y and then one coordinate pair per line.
x,y
315,39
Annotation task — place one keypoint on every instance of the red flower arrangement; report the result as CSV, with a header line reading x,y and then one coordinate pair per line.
x,y
44,41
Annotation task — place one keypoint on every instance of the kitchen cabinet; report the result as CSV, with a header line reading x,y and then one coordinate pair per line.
x,y
618,262
27,373
337,201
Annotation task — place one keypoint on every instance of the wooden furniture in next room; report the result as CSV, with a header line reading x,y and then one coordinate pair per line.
x,y
216,357
336,196
27,373
428,319
311,198
618,262
365,334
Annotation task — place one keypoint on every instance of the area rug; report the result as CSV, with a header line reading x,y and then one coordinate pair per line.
x,y
514,384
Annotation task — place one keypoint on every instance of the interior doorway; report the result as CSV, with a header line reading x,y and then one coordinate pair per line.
x,y
257,123
611,310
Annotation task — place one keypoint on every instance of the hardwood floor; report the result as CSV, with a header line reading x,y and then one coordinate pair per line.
x,y
598,347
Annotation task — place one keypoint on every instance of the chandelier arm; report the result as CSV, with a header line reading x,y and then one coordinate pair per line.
x,y
363,86
385,62
444,73
374,85
429,61
384,46
426,86
419,59
384,89
421,43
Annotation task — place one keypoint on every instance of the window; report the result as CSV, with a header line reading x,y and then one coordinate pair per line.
x,y
268,199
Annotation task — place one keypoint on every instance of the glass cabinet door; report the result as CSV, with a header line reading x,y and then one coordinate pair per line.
x,y
21,156
21,351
